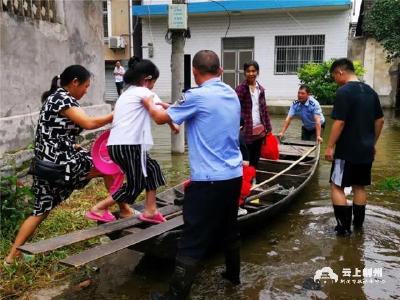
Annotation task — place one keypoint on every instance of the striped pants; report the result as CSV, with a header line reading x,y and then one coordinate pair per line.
x,y
128,159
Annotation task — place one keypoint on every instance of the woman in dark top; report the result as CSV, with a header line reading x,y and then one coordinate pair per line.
x,y
254,111
61,120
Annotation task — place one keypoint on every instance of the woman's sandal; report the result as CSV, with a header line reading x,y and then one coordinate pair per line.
x,y
6,264
133,213
24,258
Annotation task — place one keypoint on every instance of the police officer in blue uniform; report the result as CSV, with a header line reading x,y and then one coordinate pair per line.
x,y
310,113
211,114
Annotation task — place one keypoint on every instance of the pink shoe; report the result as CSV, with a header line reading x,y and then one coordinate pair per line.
x,y
105,218
156,219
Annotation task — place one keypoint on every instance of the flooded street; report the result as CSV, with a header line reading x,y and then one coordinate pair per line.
x,y
280,259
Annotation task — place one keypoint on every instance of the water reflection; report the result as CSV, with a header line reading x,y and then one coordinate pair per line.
x,y
310,222
280,258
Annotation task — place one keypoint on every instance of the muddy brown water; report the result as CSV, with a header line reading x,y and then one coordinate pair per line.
x,y
281,257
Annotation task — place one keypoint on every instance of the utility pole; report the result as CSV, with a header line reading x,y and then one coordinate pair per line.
x,y
177,25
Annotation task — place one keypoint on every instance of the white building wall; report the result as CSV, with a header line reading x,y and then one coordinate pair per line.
x,y
207,32
380,74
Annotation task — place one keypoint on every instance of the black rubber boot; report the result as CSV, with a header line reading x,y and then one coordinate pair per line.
x,y
359,216
343,214
349,216
182,280
232,264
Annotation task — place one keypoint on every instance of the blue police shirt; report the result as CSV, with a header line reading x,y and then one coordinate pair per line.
x,y
306,112
212,118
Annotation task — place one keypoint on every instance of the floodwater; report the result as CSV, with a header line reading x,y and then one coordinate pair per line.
x,y
281,257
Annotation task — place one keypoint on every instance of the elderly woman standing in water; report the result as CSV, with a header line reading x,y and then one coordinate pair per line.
x,y
61,120
254,111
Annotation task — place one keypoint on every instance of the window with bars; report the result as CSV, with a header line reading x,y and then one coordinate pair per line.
x,y
44,10
293,51
105,19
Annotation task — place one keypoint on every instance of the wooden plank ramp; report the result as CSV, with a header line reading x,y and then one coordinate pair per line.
x,y
121,243
85,234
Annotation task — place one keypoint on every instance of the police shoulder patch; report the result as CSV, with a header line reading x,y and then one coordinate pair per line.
x,y
181,100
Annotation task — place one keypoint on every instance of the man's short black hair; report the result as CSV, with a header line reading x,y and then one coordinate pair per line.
x,y
207,62
344,64
305,87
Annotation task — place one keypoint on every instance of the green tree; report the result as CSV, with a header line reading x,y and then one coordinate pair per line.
x,y
382,21
318,78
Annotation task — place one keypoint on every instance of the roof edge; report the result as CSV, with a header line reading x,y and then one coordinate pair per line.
x,y
239,5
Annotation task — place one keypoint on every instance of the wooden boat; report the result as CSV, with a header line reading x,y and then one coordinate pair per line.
x,y
278,183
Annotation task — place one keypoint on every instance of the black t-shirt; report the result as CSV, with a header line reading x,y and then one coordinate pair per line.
x,y
357,104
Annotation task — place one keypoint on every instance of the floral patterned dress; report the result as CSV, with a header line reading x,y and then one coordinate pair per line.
x,y
54,142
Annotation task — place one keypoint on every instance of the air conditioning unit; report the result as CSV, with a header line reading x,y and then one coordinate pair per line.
x,y
116,42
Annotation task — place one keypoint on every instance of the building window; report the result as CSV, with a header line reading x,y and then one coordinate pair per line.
x,y
235,52
105,18
44,10
293,51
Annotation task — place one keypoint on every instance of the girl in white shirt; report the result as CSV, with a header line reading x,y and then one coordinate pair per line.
x,y
129,142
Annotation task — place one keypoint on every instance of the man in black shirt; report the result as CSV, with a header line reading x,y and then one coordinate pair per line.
x,y
358,121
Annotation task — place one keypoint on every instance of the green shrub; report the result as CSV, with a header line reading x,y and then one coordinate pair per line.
x,y
318,78
382,22
15,205
390,184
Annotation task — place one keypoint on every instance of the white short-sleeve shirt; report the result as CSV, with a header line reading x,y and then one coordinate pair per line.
x,y
132,123
120,70
255,111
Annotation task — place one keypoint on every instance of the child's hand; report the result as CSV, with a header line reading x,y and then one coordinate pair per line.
x,y
174,127
148,102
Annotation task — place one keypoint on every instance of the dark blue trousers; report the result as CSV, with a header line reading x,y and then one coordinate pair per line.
x,y
210,216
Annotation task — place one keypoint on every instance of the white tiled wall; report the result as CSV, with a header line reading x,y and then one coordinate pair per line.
x,y
207,32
